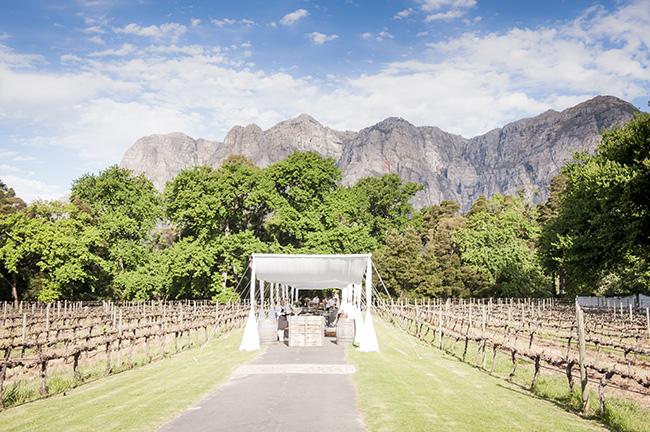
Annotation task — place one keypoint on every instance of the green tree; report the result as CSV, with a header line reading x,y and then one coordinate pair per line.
x,y
59,247
600,239
127,206
500,243
302,183
220,215
443,274
398,262
382,204
547,243
9,202
126,209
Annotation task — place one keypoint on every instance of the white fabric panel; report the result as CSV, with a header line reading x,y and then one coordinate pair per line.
x,y
251,339
262,315
369,339
311,271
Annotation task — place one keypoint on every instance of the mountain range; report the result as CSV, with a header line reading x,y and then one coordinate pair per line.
x,y
524,154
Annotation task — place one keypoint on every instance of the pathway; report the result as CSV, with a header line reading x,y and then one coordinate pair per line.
x,y
284,389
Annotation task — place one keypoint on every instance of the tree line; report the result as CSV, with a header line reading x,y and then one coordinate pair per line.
x,y
119,238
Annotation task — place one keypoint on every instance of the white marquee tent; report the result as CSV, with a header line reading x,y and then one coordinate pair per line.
x,y
311,272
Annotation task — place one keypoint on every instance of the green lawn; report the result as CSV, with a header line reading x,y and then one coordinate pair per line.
x,y
399,392
136,400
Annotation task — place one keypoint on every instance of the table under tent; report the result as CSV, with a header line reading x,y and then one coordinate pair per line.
x,y
283,276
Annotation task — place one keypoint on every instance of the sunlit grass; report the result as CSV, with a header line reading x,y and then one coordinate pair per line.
x,y
399,392
552,386
141,399
92,366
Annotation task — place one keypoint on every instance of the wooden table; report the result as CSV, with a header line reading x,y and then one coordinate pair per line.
x,y
306,331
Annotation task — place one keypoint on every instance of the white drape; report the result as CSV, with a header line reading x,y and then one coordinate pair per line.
x,y
311,271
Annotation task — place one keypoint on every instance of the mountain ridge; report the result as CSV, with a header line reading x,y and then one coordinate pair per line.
x,y
525,153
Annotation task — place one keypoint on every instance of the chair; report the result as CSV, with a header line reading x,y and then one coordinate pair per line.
x,y
332,318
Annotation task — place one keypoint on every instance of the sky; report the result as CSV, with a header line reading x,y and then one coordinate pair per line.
x,y
82,80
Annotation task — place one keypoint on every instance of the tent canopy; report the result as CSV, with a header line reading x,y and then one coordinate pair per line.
x,y
311,271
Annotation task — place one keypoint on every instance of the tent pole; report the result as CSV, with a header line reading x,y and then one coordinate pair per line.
x,y
251,339
369,339
253,283
369,284
262,314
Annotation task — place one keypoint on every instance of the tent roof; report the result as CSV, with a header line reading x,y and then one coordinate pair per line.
x,y
311,271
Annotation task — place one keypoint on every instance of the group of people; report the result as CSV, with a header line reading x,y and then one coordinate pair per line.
x,y
282,311
328,303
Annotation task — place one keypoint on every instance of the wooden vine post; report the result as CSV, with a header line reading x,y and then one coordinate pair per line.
x,y
440,327
647,318
580,320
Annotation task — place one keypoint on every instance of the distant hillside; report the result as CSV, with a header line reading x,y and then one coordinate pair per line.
x,y
524,154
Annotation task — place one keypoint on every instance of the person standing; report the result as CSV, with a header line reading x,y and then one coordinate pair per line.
x,y
283,322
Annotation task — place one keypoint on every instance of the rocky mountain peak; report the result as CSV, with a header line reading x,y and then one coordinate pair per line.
x,y
524,154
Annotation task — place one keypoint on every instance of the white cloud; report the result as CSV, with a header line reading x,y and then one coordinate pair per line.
x,y
167,31
578,58
11,59
466,85
384,34
231,22
70,58
196,22
23,159
97,39
223,22
94,29
445,16
320,38
122,51
29,189
403,14
431,5
293,17
453,9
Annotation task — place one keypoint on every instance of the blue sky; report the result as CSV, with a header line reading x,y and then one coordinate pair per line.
x,y
82,80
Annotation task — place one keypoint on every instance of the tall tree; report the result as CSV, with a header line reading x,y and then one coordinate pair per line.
x,y
128,206
500,243
443,274
126,209
60,248
383,203
302,183
601,237
10,204
221,212
398,262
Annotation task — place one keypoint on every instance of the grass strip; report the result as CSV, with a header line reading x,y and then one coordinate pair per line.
x,y
399,392
136,400
620,414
